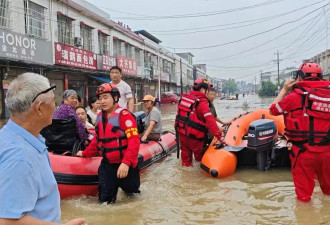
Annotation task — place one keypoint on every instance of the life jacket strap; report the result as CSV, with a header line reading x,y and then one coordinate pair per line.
x,y
191,123
300,145
106,140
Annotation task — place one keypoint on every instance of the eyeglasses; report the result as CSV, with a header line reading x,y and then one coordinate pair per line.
x,y
53,87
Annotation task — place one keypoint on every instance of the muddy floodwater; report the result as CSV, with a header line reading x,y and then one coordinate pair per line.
x,y
171,194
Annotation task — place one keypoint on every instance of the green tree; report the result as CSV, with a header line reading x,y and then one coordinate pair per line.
x,y
230,86
267,89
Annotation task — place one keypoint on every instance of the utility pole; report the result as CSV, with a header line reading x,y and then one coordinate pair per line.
x,y
278,68
261,77
255,84
181,76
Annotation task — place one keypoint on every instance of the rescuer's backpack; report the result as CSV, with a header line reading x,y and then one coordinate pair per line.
x,y
187,122
317,107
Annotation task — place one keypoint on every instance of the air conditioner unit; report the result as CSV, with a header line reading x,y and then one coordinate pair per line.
x,y
78,41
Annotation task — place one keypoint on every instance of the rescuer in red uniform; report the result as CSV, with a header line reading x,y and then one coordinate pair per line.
x,y
117,141
307,128
193,121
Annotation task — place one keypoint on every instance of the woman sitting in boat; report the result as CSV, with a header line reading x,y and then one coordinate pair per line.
x,y
94,109
82,114
67,110
117,141
153,121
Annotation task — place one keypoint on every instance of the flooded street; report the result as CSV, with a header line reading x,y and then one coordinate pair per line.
x,y
171,194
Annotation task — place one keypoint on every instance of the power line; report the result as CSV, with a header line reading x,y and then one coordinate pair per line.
x,y
242,66
311,47
254,73
308,29
212,13
305,42
245,21
248,37
229,57
255,21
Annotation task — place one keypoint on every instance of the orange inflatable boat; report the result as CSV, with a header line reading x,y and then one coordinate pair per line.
x,y
254,139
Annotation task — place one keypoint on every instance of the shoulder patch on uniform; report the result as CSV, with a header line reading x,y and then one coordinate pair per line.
x,y
128,123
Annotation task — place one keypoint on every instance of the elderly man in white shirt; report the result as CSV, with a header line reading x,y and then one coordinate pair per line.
x,y
126,97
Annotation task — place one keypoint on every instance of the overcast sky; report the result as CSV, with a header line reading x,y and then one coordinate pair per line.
x,y
237,38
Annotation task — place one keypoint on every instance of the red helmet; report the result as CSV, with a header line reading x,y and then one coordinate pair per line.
x,y
310,71
108,88
201,83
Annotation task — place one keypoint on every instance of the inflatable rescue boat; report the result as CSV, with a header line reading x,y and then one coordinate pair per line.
x,y
254,139
77,176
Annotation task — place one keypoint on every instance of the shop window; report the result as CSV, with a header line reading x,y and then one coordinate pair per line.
x,y
65,29
34,19
86,34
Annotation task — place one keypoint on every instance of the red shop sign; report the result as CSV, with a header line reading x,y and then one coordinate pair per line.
x,y
108,62
127,65
68,55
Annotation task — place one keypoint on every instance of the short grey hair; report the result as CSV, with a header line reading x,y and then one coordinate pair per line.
x,y
23,89
68,93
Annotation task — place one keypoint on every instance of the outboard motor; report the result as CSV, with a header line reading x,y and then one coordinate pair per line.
x,y
140,120
261,137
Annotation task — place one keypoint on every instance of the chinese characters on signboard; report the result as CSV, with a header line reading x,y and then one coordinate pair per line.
x,y
127,65
72,56
18,46
108,62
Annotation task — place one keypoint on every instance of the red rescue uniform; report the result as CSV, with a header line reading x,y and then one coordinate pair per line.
x,y
194,146
314,159
117,142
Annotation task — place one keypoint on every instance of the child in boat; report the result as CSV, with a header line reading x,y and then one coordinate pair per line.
x,y
117,141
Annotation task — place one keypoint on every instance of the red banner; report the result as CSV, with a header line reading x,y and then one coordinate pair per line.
x,y
108,62
68,55
127,65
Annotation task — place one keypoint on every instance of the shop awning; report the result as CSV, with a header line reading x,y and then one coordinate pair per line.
x,y
103,79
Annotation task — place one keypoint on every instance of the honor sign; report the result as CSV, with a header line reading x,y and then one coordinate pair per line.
x,y
21,47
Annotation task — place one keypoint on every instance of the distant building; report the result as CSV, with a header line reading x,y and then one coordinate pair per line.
x,y
323,60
